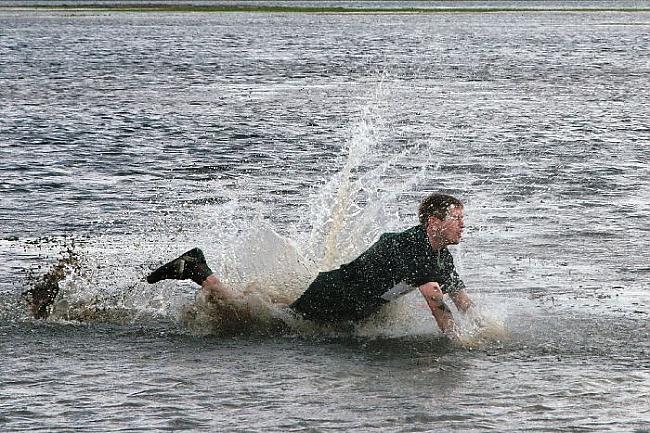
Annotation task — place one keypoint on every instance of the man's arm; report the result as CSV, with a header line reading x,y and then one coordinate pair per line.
x,y
434,297
467,307
461,300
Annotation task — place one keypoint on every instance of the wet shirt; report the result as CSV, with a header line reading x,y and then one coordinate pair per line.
x,y
396,264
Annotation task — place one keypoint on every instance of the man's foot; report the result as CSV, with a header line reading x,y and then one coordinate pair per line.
x,y
189,266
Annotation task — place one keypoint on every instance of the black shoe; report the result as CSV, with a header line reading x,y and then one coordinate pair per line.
x,y
189,266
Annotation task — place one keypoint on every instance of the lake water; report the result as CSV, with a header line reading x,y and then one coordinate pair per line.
x,y
361,4
283,144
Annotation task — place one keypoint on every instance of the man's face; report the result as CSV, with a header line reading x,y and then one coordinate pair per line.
x,y
449,230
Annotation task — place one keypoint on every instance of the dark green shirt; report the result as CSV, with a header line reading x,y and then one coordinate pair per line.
x,y
394,265
404,257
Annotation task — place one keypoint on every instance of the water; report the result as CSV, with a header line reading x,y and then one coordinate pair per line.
x,y
361,4
286,143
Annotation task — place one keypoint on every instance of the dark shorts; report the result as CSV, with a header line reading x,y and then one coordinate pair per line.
x,y
330,299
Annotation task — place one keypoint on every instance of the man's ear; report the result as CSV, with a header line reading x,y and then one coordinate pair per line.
x,y
433,221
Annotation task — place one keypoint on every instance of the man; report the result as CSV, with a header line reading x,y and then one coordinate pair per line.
x,y
396,264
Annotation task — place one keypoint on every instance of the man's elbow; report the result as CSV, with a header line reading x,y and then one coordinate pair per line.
x,y
432,292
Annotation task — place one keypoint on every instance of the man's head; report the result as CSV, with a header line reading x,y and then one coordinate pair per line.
x,y
442,217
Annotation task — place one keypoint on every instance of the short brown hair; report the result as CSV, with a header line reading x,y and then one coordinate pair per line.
x,y
436,205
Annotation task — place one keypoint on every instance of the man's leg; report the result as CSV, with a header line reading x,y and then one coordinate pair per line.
x,y
191,265
213,290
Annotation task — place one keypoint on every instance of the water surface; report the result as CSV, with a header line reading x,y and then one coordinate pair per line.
x,y
132,137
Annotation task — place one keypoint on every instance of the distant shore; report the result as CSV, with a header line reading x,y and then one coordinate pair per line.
x,y
97,7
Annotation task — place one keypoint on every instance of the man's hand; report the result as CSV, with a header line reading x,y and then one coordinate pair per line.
x,y
466,306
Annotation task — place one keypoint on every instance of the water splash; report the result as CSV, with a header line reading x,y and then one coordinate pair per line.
x,y
359,202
